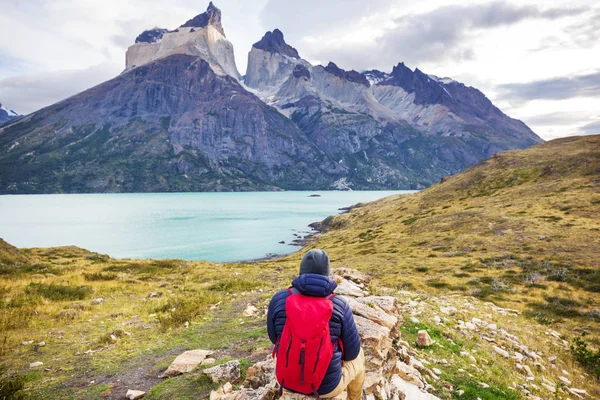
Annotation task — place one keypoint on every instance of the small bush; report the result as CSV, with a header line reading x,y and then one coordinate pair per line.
x,y
235,285
588,358
181,309
58,292
11,387
100,276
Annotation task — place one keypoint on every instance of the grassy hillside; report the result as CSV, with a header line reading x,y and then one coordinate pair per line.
x,y
521,230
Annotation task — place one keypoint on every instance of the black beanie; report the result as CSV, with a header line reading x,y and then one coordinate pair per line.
x,y
315,262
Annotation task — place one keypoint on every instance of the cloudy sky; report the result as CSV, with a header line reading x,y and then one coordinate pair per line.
x,y
537,61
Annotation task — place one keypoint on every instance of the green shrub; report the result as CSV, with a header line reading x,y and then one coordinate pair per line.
x,y
100,276
11,387
589,359
178,310
58,292
235,285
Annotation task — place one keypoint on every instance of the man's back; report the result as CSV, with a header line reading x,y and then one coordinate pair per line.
x,y
343,334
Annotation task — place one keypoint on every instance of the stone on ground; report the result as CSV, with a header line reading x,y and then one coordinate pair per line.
x,y
250,311
36,364
423,339
186,362
135,394
230,371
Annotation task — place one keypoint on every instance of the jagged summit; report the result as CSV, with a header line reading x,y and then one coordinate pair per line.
x,y
351,75
6,114
202,36
153,35
212,16
273,42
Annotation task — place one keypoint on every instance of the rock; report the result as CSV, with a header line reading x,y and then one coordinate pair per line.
x,y
208,361
470,326
352,275
409,374
502,352
423,339
389,304
227,388
41,344
154,294
414,320
492,327
135,394
230,371
260,374
186,362
410,391
96,301
27,343
565,380
373,313
249,311
375,339
36,364
348,288
552,359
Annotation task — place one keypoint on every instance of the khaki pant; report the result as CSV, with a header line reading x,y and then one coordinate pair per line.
x,y
353,379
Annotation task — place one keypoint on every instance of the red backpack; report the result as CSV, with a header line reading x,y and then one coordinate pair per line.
x,y
304,349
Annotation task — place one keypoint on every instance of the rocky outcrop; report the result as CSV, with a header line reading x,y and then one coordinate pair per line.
x,y
202,36
273,42
392,371
212,16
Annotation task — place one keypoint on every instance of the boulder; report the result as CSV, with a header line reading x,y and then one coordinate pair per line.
x,y
389,304
135,394
230,371
352,275
410,391
348,288
260,374
186,362
375,339
423,339
36,364
373,313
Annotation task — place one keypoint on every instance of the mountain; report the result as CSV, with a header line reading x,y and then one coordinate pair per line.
x,y
400,129
181,118
6,114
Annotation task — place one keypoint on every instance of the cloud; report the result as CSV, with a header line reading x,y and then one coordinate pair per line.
x,y
591,128
553,89
28,93
441,34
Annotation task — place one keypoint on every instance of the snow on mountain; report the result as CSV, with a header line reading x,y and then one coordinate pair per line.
x,y
7,114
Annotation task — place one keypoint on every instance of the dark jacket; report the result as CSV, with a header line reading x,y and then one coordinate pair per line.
x,y
341,325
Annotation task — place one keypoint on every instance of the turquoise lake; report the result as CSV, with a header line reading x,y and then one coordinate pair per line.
x,y
219,227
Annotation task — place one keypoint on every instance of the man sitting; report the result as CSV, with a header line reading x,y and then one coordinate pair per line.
x,y
316,342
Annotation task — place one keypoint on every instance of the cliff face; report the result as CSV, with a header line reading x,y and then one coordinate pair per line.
x,y
172,124
202,36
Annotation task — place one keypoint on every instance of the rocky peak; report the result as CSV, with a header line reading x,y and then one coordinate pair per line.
x,y
427,91
6,114
212,16
300,71
151,35
375,76
351,76
273,42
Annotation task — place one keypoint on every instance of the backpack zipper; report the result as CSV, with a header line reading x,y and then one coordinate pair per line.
x,y
287,352
318,355
301,362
